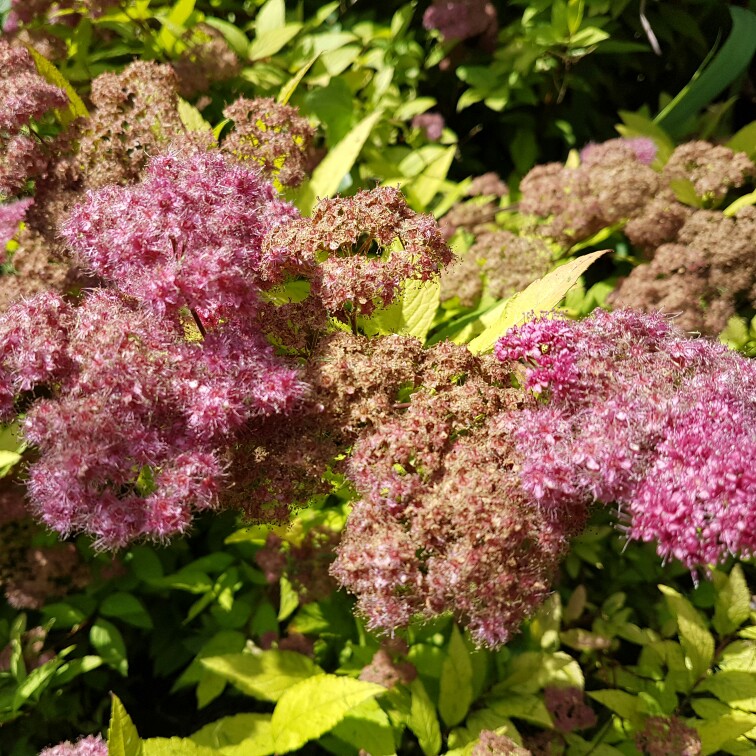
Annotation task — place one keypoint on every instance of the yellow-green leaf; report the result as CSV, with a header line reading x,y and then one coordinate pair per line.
x,y
733,687
714,733
8,460
314,706
238,735
174,24
290,87
744,140
336,164
76,108
745,201
268,44
695,639
424,187
455,692
123,738
183,747
541,296
413,313
733,604
191,118
423,721
267,675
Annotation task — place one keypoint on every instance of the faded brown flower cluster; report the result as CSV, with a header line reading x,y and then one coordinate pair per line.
x,y
499,263
271,135
705,274
31,574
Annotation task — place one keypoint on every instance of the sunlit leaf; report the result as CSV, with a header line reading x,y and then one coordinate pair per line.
x,y
312,707
542,295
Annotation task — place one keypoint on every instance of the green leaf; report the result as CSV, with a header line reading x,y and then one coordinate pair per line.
x,y
626,705
271,42
367,727
522,706
76,107
575,11
33,685
237,39
266,675
726,66
76,667
180,747
123,738
108,641
65,615
126,607
313,706
542,295
638,125
336,164
191,118
238,735
290,87
412,314
714,733
733,604
695,639
744,140
289,599
455,694
423,721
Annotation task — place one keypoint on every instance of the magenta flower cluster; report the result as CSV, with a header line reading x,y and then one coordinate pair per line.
x,y
188,236
131,416
634,413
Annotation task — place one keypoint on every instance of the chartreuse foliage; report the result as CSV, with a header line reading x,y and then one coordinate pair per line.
x,y
688,658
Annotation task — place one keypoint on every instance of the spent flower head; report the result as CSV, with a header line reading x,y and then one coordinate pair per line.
x,y
668,736
272,136
358,250
443,523
24,94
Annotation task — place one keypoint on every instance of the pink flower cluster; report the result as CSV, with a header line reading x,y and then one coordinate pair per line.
x,y
132,416
462,19
188,236
91,745
634,413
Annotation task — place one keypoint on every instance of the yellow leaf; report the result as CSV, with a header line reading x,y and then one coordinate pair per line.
x,y
541,296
